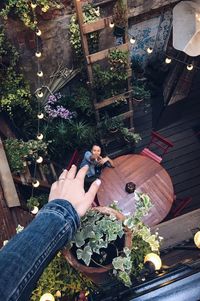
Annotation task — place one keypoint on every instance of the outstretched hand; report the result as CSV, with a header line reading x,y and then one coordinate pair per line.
x,y
70,187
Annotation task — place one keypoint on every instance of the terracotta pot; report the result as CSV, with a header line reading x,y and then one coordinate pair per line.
x,y
99,275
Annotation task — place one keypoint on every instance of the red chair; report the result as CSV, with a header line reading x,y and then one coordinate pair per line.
x,y
162,143
179,205
75,159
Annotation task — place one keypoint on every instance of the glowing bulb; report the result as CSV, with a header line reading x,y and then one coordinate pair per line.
x,y
33,5
38,32
35,210
40,136
36,183
111,24
40,115
190,67
197,239
38,54
132,40
39,159
40,73
58,294
155,259
149,50
47,297
168,60
40,94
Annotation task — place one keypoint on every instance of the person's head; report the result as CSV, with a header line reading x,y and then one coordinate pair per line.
x,y
96,150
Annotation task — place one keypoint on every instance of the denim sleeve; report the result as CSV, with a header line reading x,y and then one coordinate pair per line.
x,y
24,258
87,156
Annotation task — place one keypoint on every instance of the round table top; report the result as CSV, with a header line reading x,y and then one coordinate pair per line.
x,y
148,175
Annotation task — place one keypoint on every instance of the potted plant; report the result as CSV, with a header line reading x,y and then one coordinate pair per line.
x,y
140,93
112,124
109,244
119,18
129,136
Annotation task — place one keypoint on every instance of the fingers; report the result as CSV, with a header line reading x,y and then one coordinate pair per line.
x,y
82,173
90,195
63,175
72,172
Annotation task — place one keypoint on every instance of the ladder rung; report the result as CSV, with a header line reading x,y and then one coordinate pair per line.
x,y
109,101
96,25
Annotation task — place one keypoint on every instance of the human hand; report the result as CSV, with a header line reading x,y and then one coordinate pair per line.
x,y
103,160
70,187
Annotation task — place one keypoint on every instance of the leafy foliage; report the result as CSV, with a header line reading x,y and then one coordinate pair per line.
x,y
14,90
19,152
23,9
60,276
119,14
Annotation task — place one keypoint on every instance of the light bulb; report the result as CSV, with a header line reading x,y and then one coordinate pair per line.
x,y
149,50
35,183
132,40
168,60
40,73
197,239
58,294
35,210
155,259
33,5
111,24
190,67
38,54
40,94
40,136
47,297
40,115
39,159
38,32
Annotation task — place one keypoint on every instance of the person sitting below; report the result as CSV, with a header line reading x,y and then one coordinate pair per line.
x,y
95,162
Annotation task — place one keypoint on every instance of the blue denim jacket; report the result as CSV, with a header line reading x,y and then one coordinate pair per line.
x,y
24,258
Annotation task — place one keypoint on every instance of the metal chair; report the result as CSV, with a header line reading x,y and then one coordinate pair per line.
x,y
75,159
162,143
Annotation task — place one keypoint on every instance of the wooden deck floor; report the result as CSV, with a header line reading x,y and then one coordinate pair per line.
x,y
179,123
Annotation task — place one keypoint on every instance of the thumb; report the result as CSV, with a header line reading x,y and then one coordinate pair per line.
x,y
90,195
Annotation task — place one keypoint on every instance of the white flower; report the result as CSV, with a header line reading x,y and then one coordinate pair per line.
x,y
19,228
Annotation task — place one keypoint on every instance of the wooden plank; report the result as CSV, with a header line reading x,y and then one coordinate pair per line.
x,y
96,25
6,180
43,184
98,56
109,101
179,229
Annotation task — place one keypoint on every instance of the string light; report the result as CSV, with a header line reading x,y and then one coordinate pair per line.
x,y
38,32
47,297
197,239
190,67
39,159
132,40
35,210
149,50
155,259
111,24
35,183
33,5
40,115
40,136
58,294
40,73
168,60
40,94
38,54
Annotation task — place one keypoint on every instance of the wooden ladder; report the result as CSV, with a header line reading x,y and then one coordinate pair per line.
x,y
90,59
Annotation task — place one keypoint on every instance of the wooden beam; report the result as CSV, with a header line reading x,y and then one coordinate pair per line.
x,y
98,56
179,229
7,183
96,25
109,101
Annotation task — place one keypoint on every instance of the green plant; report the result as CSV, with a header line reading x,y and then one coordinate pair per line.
x,y
111,124
90,14
118,59
83,133
120,14
14,90
99,232
24,10
140,92
19,152
130,136
38,201
60,276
